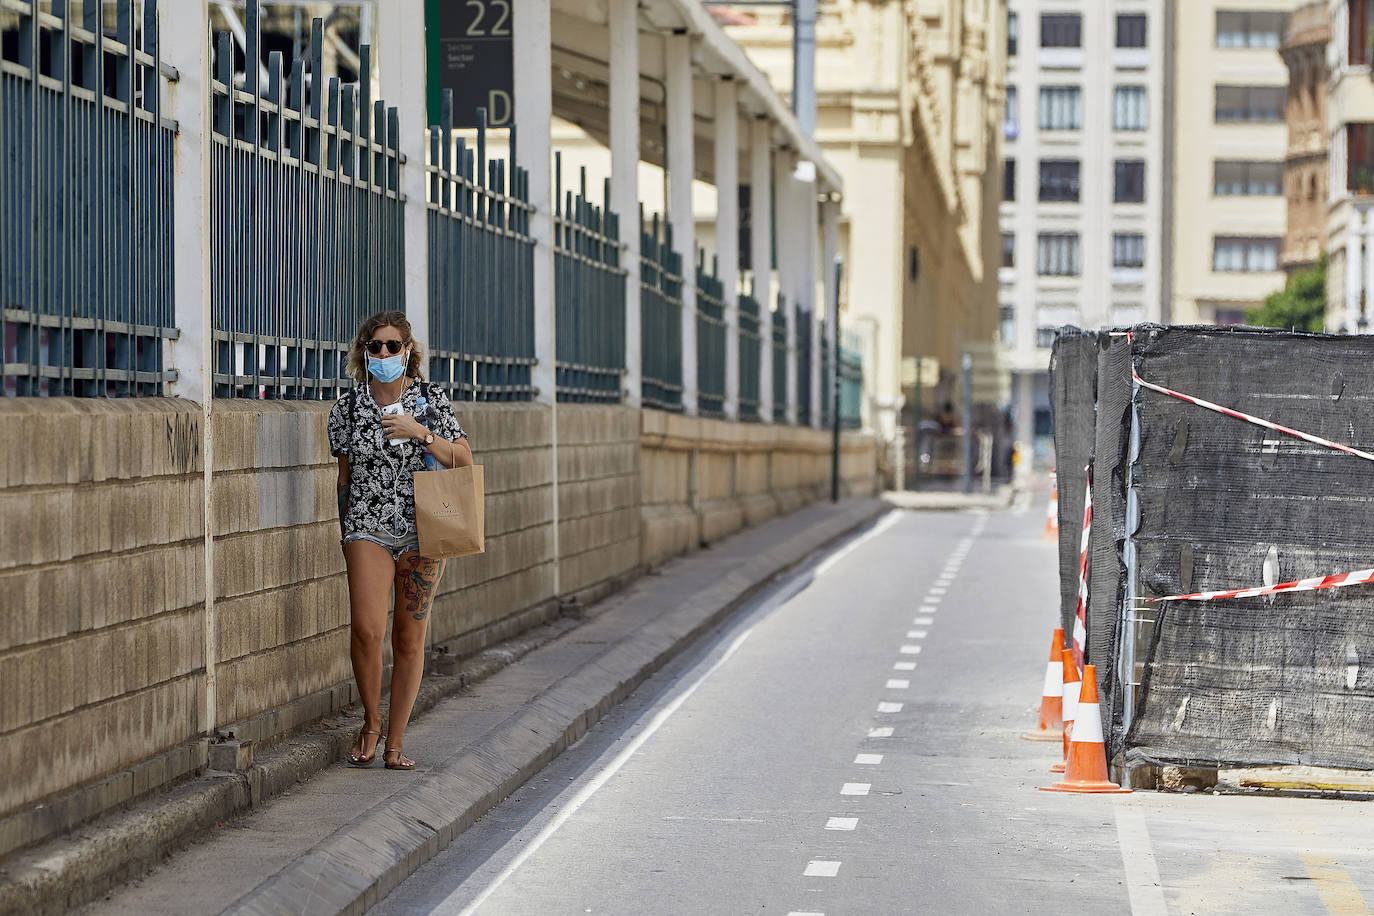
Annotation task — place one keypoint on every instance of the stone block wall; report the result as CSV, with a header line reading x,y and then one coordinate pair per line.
x,y
105,632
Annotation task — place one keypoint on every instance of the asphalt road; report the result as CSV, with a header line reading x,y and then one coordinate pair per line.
x,y
850,745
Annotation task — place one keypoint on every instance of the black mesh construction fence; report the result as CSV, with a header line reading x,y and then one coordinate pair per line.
x,y
1282,679
1073,379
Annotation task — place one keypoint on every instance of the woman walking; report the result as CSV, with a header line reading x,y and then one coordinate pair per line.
x,y
382,432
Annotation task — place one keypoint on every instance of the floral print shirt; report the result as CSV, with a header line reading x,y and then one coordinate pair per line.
x,y
381,491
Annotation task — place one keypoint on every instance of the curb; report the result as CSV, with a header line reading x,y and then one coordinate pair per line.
x,y
345,874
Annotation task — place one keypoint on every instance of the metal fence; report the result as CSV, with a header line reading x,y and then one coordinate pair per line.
x,y
750,344
827,393
803,337
481,268
780,361
710,339
85,203
306,221
589,294
660,303
851,388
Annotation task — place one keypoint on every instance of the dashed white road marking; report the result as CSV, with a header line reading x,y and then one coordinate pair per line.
x,y
915,634
889,707
904,666
911,650
923,621
883,732
930,600
820,868
856,788
841,823
936,590
1142,873
929,609
868,760
799,913
897,683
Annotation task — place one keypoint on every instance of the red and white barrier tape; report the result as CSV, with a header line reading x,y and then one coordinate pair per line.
x,y
1339,580
1080,614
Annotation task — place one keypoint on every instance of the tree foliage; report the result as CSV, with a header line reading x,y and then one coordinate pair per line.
x,y
1299,306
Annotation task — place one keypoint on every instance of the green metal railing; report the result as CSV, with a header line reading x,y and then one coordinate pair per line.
x,y
481,268
589,294
86,267
710,339
780,361
826,397
851,388
750,344
660,303
307,228
803,337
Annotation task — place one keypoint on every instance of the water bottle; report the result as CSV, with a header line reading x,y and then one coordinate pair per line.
x,y
422,413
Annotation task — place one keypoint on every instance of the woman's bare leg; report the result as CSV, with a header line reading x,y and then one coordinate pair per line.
x,y
370,574
416,579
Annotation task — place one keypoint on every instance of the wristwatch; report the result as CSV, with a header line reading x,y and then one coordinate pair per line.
x,y
429,438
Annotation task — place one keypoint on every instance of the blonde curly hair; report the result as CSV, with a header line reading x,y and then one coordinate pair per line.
x,y
357,353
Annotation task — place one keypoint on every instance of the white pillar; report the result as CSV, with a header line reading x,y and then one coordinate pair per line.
x,y
184,35
681,167
727,231
1353,233
787,264
399,33
1365,310
624,118
830,234
811,245
761,244
533,86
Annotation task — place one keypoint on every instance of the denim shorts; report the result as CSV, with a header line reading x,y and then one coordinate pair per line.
x,y
394,545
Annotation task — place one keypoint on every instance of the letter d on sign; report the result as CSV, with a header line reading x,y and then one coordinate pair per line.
x,y
500,107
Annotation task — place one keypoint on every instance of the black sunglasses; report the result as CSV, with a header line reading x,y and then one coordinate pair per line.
x,y
392,346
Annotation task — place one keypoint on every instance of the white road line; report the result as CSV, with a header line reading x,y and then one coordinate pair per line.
x,y
799,913
929,609
889,707
868,760
880,732
923,621
936,590
915,634
886,522
897,683
931,601
911,650
819,868
904,666
1142,872
841,823
856,788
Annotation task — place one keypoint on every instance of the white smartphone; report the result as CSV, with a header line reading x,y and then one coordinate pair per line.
x,y
393,409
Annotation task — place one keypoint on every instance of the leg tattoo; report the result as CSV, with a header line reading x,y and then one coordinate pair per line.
x,y
419,583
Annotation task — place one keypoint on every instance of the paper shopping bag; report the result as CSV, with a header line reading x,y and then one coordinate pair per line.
x,y
449,512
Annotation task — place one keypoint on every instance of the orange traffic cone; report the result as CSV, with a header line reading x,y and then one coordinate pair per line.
x,y
1052,513
1087,756
1071,689
1051,726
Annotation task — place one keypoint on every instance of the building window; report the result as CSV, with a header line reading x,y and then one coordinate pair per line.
x,y
1128,250
1057,254
1007,326
1130,181
1009,179
1359,156
1250,29
1247,179
1008,249
1358,47
1232,254
1249,103
1061,108
1130,111
1011,121
1061,30
1013,26
1130,30
1059,179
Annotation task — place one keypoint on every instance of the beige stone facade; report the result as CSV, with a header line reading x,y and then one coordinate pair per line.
x,y
1305,167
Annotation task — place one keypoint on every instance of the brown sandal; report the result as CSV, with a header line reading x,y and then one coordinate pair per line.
x,y
402,761
365,761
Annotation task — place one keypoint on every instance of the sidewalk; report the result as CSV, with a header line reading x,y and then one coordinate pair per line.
x,y
341,840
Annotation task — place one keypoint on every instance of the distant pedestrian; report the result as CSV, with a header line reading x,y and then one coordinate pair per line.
x,y
947,418
388,426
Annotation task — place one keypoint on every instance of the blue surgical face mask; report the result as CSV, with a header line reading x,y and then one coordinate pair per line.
x,y
389,369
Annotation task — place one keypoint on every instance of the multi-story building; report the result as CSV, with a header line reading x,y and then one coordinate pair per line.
x,y
1084,184
1228,149
1305,167
1350,206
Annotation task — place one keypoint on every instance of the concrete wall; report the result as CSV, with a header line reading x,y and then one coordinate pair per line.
x,y
103,637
